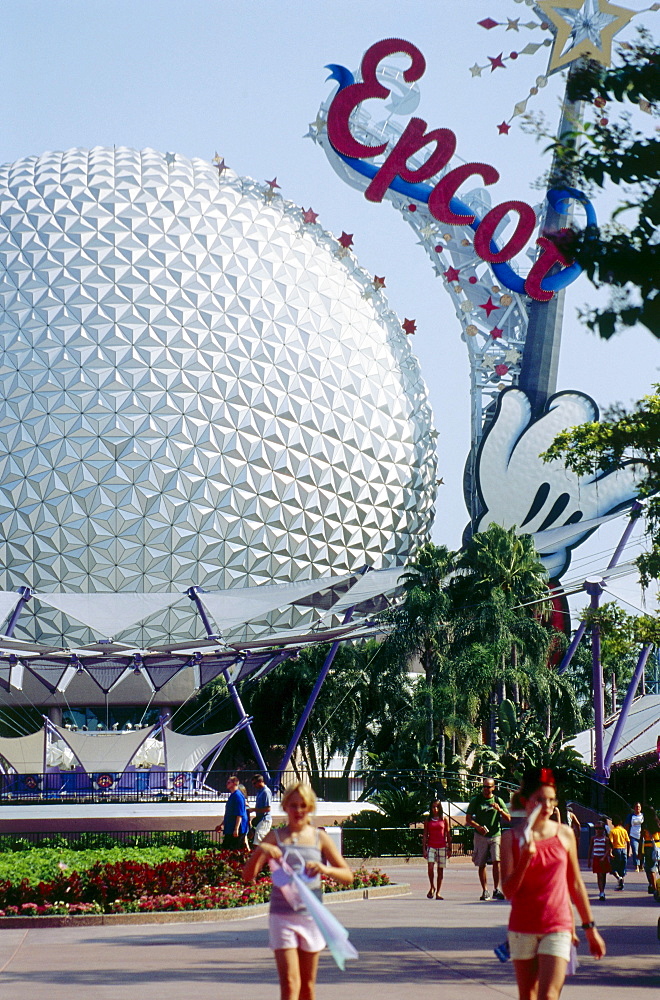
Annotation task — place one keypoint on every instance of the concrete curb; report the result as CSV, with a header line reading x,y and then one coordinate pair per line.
x,y
192,916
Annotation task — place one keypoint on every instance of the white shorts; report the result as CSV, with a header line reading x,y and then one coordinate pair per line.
x,y
294,930
437,855
261,829
524,947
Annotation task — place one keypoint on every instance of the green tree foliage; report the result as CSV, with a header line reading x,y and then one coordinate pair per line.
x,y
475,622
423,622
625,254
501,591
605,445
621,639
521,743
359,705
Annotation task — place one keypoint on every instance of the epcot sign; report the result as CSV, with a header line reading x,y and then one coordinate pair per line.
x,y
443,203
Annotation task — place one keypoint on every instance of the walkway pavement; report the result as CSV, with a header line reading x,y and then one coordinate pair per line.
x,y
410,947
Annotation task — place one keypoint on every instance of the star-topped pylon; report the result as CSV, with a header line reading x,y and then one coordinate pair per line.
x,y
378,282
309,216
273,184
583,28
409,326
346,240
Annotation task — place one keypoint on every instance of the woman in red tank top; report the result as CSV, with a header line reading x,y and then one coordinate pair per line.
x,y
437,846
541,877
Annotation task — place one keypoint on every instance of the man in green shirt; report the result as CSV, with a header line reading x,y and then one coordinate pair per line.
x,y
485,813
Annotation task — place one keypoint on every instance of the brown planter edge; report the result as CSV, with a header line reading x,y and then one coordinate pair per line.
x,y
192,916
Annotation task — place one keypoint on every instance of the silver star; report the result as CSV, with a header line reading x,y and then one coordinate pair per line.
x,y
586,28
476,69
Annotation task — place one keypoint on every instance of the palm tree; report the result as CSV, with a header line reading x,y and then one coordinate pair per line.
x,y
500,559
501,586
423,623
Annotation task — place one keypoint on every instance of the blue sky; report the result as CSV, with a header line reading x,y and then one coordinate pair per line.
x,y
245,77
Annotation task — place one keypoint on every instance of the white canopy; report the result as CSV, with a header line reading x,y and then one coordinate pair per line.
x,y
368,586
109,614
548,540
104,751
231,608
8,601
639,737
24,753
184,753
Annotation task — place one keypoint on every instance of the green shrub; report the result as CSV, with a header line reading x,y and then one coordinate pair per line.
x,y
42,864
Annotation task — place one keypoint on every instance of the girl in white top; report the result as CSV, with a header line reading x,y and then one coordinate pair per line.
x,y
294,937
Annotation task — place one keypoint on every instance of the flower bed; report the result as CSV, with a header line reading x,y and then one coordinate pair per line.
x,y
207,881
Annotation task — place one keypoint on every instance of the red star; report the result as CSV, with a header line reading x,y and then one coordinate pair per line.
x,y
496,333
378,282
504,128
346,240
488,23
488,306
309,215
409,326
501,369
273,184
496,62
452,273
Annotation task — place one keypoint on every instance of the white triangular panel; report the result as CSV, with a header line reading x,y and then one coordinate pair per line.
x,y
109,614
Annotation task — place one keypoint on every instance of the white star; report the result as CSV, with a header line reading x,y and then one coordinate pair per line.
x,y
476,69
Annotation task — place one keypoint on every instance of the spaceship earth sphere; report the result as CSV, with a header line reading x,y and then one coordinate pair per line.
x,y
196,385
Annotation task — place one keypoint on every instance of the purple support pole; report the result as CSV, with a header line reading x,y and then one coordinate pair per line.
x,y
570,652
595,589
193,594
26,594
625,708
311,701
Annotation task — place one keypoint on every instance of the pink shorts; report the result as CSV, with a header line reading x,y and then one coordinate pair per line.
x,y
294,930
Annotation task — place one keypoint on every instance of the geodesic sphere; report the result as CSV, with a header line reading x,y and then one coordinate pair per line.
x,y
196,386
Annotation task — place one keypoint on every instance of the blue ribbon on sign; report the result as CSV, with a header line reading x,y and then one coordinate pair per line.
x,y
421,192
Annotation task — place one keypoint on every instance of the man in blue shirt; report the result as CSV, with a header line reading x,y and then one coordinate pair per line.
x,y
263,819
235,821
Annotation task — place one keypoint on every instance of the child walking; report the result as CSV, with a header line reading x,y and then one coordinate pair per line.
x,y
599,856
620,845
294,937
